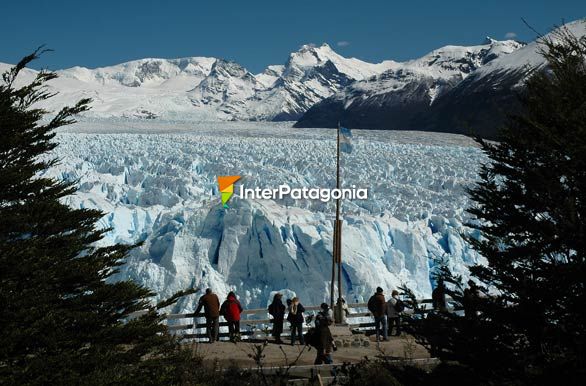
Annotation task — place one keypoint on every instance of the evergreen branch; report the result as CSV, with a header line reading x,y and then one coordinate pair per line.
x,y
173,299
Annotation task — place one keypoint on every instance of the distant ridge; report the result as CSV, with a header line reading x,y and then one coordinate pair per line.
x,y
451,89
476,104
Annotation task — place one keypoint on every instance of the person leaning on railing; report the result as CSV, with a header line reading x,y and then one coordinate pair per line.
x,y
211,306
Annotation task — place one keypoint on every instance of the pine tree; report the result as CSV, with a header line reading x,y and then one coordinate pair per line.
x,y
60,321
528,322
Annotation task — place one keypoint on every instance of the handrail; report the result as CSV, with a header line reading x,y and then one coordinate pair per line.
x,y
356,310
265,310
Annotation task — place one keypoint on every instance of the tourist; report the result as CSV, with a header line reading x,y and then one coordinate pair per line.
x,y
343,307
231,310
438,297
211,307
325,342
394,308
277,311
470,301
378,305
296,319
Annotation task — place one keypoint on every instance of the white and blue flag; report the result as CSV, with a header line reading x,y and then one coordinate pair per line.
x,y
345,140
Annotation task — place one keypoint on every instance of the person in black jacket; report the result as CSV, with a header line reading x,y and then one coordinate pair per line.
x,y
296,319
377,304
438,297
470,301
325,345
277,311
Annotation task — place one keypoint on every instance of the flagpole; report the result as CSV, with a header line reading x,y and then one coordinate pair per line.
x,y
338,233
335,246
337,312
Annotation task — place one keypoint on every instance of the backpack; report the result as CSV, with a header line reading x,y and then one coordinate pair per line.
x,y
399,306
272,309
312,337
322,320
232,311
371,306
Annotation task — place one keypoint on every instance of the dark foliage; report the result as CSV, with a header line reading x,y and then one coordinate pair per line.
x,y
526,323
61,322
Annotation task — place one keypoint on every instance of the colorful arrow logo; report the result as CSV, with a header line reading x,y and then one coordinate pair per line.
x,y
226,184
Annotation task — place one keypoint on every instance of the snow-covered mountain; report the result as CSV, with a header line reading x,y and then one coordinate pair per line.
x,y
309,76
480,103
225,88
149,73
405,90
438,70
201,88
209,89
146,88
454,89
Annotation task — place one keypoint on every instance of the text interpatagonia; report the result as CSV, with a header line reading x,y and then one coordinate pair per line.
x,y
322,194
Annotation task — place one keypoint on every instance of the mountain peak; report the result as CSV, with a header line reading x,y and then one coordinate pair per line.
x,y
489,40
311,46
310,55
324,49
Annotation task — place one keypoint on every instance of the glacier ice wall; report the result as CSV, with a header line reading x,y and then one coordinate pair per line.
x,y
160,188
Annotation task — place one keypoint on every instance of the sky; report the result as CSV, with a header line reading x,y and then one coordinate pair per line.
x,y
259,33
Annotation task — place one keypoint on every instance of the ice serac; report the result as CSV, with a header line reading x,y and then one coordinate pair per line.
x,y
170,202
257,248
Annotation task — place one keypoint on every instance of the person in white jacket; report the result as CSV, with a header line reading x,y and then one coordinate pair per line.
x,y
394,308
341,304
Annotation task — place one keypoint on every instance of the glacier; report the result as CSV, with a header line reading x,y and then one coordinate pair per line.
x,y
156,183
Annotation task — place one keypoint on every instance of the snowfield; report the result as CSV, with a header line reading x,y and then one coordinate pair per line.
x,y
156,182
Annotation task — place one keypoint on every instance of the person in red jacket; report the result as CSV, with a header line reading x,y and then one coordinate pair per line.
x,y
231,310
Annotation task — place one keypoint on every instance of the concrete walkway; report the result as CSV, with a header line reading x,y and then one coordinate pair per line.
x,y
351,348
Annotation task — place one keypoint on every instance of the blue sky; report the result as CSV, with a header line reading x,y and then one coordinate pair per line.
x,y
258,33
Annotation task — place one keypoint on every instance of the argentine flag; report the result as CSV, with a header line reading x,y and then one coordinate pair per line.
x,y
345,140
